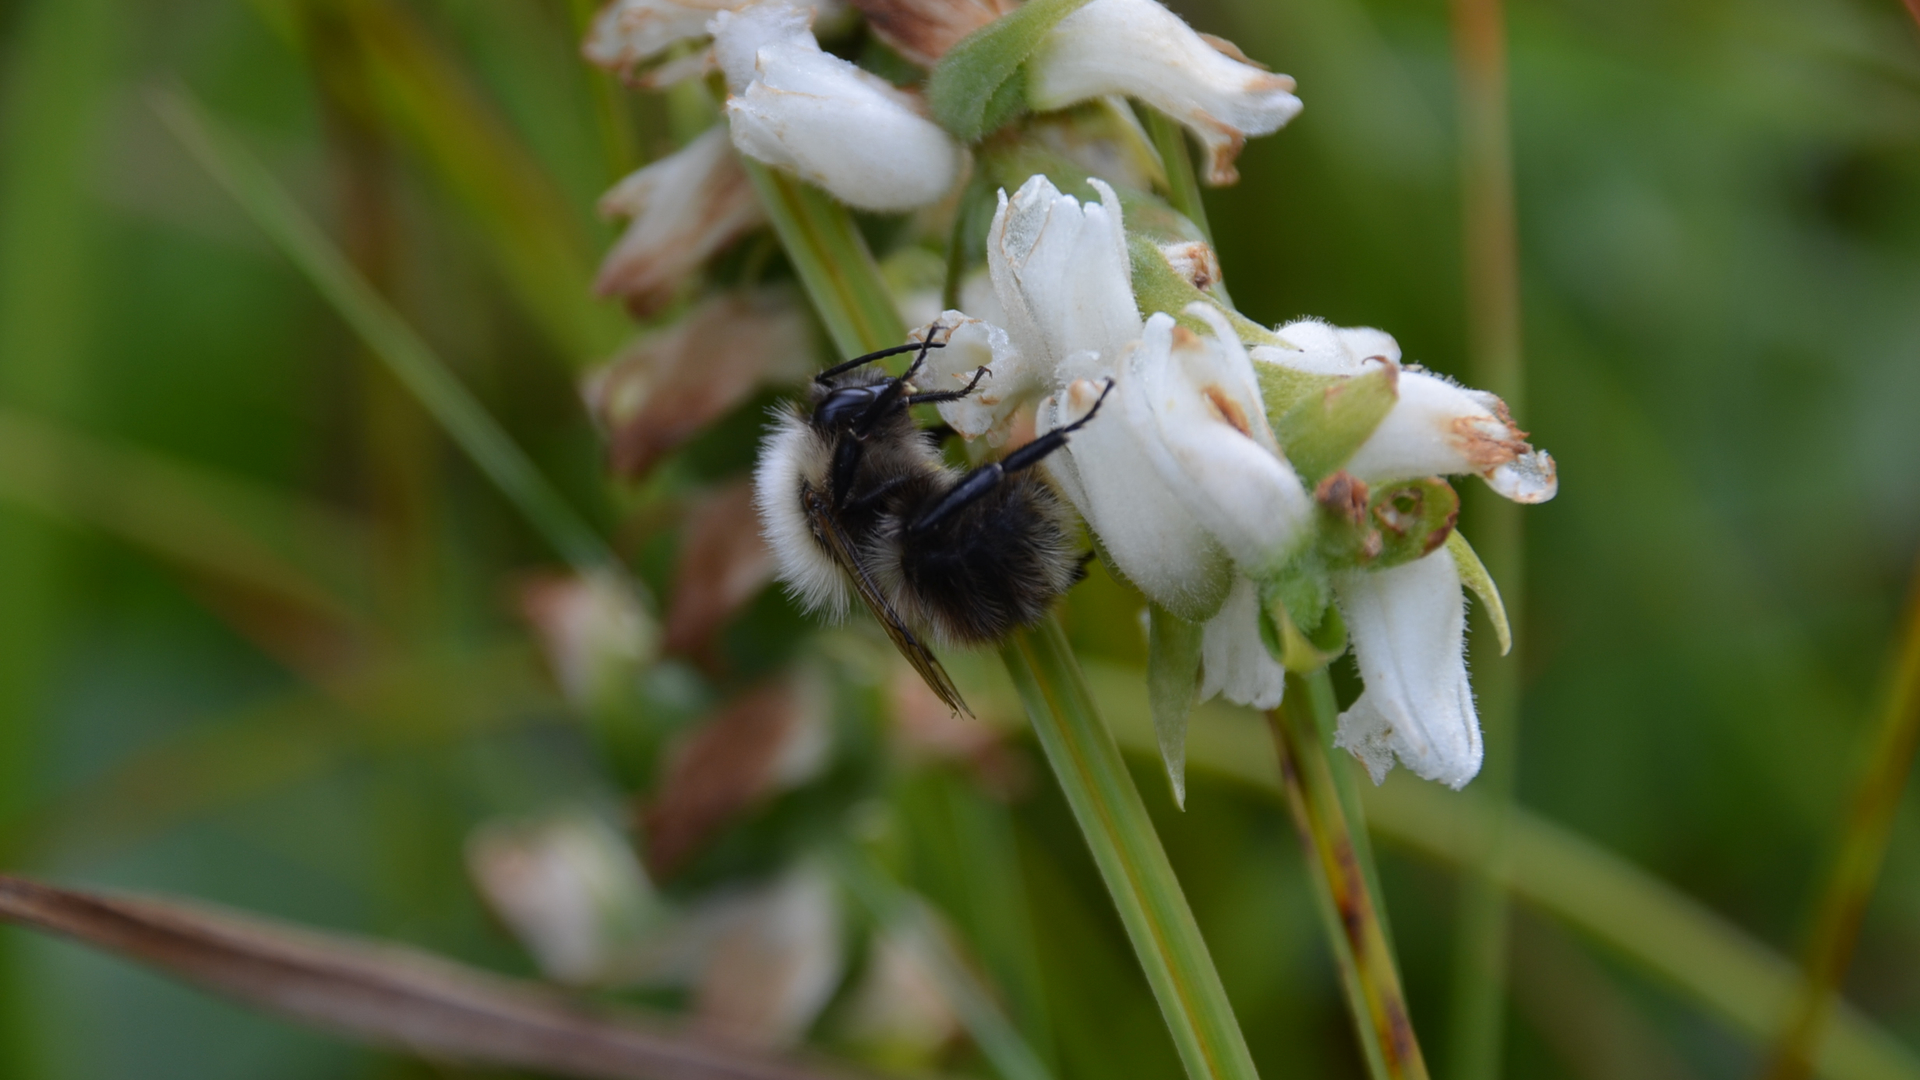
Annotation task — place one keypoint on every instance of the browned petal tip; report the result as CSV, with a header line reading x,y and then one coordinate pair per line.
x,y
758,743
923,30
726,564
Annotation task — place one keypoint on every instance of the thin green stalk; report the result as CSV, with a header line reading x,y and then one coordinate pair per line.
x,y
1183,186
1086,761
1348,903
462,416
833,262
1863,849
1493,319
1324,707
904,913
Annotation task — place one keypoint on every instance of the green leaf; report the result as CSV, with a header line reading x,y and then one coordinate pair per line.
x,y
1473,574
1323,431
1173,688
968,92
1157,286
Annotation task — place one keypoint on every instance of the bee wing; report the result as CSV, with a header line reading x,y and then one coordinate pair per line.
x,y
923,661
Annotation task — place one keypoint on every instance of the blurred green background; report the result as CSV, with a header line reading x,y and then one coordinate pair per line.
x,y
258,641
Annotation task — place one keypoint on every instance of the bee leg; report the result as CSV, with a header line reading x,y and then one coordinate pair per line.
x,y
1081,567
858,361
872,497
975,485
949,395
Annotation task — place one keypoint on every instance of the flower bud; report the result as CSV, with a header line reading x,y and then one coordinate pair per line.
x,y
683,209
1140,49
1408,624
798,108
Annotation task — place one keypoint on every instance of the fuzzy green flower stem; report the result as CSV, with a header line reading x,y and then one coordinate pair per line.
x,y
1183,186
1493,320
1863,848
1344,885
1087,763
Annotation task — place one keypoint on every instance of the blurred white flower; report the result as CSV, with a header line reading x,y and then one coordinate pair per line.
x,y
1140,49
592,629
625,33
682,209
1436,428
798,108
569,888
1408,625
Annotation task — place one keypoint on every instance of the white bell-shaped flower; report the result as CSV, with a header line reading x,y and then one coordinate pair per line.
x,y
1234,661
799,108
1140,49
1408,624
972,344
1194,406
1061,273
683,209
1436,428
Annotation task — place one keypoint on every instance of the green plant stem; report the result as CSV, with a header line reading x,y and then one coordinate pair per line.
x,y
1087,763
833,262
1493,322
456,410
1183,186
1863,849
1347,899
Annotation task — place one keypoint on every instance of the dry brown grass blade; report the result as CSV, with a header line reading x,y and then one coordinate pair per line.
x,y
386,995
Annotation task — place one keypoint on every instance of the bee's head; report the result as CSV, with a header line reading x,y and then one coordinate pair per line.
x,y
836,406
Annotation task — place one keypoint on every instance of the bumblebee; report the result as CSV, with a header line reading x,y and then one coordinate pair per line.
x,y
854,496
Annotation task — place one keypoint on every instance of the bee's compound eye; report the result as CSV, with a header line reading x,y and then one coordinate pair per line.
x,y
843,405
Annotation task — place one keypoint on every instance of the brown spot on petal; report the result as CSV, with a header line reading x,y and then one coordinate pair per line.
x,y
923,30
1228,409
729,764
1345,495
726,563
1195,261
667,388
1487,441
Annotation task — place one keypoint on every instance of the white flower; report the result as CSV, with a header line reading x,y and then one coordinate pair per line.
x,y
593,630
1436,427
1408,625
798,108
626,33
1234,661
569,888
1140,49
683,208
1061,272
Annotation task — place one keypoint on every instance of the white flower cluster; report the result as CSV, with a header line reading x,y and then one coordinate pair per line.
x,y
1185,479
1190,493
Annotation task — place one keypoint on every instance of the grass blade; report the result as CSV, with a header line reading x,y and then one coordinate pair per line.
x,y
1863,849
1086,761
832,260
385,995
463,418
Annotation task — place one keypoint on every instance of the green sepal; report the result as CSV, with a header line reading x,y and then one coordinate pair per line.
x,y
1414,518
1157,286
968,90
1473,574
1299,623
1283,388
1173,688
1321,432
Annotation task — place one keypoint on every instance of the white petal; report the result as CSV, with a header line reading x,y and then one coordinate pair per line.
x,y
629,32
971,345
1323,349
1140,49
1194,407
683,209
1440,428
799,108
1234,661
1061,273
1408,625
1146,529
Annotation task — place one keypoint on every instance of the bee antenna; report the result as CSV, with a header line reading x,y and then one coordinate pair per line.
x,y
842,368
1082,422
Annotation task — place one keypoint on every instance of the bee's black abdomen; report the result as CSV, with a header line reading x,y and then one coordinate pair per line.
x,y
995,566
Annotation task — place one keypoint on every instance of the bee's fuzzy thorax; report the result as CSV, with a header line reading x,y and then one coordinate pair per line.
x,y
791,454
